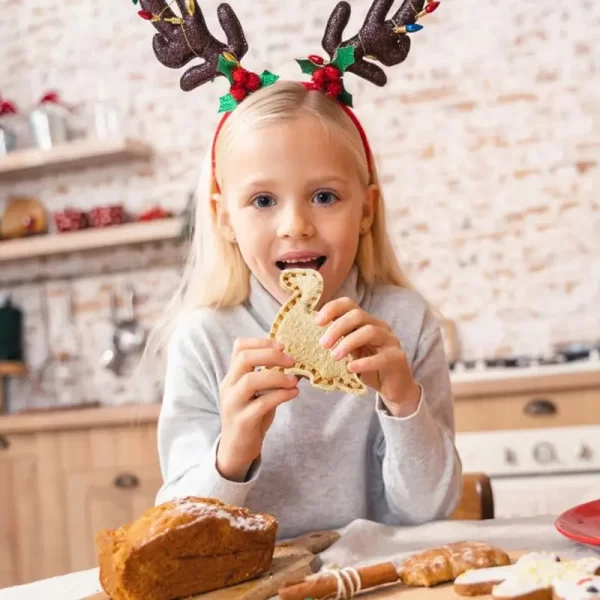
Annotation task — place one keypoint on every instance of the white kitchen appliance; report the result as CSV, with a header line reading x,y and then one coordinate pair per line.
x,y
535,471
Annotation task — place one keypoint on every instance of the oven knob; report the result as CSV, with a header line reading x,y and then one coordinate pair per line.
x,y
510,458
584,452
544,453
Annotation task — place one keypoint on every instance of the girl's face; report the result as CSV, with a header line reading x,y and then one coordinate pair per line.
x,y
292,198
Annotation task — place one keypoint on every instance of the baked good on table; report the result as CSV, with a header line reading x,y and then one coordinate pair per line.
x,y
184,547
443,564
535,576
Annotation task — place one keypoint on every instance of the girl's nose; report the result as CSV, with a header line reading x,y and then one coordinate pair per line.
x,y
295,223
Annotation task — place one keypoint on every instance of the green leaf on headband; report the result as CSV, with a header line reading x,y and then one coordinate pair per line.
x,y
345,98
227,103
307,66
268,78
344,58
226,67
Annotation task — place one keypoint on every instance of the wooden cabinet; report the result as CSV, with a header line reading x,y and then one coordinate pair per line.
x,y
64,480
19,510
105,498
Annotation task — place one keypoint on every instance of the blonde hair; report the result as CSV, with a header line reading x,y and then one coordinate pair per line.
x,y
215,273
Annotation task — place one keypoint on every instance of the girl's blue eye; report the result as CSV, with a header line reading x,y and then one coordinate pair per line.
x,y
325,197
263,201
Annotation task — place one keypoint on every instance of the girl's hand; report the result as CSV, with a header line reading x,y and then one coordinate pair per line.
x,y
248,402
376,353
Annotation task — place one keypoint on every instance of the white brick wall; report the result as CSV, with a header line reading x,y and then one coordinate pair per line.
x,y
488,139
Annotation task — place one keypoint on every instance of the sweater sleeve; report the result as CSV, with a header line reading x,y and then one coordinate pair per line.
x,y
422,472
189,426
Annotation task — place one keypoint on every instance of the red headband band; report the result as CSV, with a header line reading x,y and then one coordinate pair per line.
x,y
310,87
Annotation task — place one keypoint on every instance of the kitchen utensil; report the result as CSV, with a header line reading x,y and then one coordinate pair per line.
x,y
11,332
112,358
292,559
49,126
129,336
582,524
8,140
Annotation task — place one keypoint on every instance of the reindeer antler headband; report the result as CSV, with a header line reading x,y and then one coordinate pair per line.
x,y
181,39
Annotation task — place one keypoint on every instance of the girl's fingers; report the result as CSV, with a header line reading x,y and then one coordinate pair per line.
x,y
334,309
264,404
345,325
366,335
253,343
383,360
249,359
262,381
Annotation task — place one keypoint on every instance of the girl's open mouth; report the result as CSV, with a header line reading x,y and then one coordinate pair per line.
x,y
309,263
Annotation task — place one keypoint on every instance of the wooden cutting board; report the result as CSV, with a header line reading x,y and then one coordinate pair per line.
x,y
292,559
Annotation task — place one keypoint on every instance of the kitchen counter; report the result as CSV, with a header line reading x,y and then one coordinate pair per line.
x,y
80,418
363,542
571,376
466,385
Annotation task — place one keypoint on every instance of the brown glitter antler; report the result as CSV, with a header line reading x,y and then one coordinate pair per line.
x,y
378,38
181,39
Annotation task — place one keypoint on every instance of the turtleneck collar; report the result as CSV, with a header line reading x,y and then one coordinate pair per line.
x,y
266,307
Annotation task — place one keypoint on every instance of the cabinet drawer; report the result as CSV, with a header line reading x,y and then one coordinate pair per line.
x,y
15,444
105,498
528,411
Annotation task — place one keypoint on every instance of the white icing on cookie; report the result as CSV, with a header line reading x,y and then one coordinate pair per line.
x,y
587,588
487,575
537,571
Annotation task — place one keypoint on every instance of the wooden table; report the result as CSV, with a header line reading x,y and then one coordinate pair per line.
x,y
361,542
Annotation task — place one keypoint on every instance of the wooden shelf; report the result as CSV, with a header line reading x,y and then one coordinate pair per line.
x,y
90,239
12,368
32,162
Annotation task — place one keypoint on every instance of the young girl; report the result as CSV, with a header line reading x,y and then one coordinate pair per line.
x,y
291,182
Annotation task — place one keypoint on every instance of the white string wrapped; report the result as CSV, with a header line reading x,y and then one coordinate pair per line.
x,y
348,582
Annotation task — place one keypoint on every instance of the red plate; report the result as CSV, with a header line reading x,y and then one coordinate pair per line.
x,y
581,523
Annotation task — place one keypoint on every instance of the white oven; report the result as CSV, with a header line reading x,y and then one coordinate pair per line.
x,y
536,471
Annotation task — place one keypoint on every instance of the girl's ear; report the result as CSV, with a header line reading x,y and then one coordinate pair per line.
x,y
372,196
221,217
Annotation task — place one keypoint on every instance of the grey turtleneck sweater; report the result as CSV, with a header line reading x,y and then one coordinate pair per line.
x,y
329,457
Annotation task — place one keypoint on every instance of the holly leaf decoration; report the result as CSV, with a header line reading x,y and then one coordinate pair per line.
x,y
307,66
345,98
135,1
344,58
267,78
227,103
225,67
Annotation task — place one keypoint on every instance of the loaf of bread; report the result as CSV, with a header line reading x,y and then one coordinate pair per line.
x,y
185,547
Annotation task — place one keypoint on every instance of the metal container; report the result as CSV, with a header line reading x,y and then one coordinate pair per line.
x,y
48,127
8,140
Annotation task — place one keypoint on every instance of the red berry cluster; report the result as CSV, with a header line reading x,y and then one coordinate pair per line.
x,y
327,79
245,82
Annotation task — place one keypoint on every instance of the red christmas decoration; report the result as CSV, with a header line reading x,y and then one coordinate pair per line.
x,y
316,59
70,220
238,92
105,216
431,6
146,15
253,82
332,73
240,75
7,108
245,82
